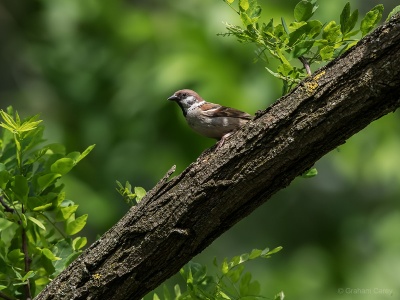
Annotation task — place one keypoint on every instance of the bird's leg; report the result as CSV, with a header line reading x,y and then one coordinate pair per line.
x,y
222,140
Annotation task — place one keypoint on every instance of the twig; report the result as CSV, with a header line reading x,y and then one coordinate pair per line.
x,y
5,297
5,205
27,260
305,64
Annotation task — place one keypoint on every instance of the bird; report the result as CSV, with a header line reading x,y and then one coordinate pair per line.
x,y
209,119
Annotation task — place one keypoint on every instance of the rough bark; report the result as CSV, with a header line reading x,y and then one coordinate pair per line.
x,y
179,218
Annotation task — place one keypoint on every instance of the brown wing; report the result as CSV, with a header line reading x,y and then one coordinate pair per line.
x,y
216,110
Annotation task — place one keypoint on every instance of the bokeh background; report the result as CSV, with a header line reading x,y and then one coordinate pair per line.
x,y
99,72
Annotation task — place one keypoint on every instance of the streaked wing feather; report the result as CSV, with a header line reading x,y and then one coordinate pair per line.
x,y
216,110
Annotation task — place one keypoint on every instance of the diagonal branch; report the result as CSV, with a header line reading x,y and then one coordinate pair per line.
x,y
181,217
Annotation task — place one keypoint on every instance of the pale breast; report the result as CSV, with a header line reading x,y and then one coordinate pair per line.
x,y
215,127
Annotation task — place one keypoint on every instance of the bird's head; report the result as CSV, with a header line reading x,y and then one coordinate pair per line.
x,y
186,99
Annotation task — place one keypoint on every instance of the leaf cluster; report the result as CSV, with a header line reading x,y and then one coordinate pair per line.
x,y
36,219
126,193
308,40
230,282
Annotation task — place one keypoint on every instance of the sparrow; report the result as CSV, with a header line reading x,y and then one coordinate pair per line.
x,y
209,119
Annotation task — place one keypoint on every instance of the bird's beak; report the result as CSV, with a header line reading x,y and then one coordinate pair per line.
x,y
173,98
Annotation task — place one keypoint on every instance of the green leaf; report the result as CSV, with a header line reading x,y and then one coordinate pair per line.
x,y
15,255
28,275
43,280
331,32
315,28
140,193
177,290
255,253
66,212
280,33
155,296
350,34
327,52
285,69
4,179
255,13
293,26
4,224
75,155
47,180
267,253
234,274
248,288
279,296
246,20
243,258
225,266
371,19
310,173
50,255
85,153
29,125
20,188
268,28
302,48
244,4
78,243
10,124
43,207
347,20
62,166
254,288
234,261
344,18
64,250
37,222
167,294
76,225
393,12
303,11
8,231
299,31
56,148
41,203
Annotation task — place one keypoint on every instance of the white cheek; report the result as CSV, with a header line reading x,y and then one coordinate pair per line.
x,y
189,100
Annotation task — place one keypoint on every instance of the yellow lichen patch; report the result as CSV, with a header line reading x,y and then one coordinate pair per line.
x,y
319,75
312,85
96,276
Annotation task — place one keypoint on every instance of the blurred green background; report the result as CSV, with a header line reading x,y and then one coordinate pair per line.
x,y
99,72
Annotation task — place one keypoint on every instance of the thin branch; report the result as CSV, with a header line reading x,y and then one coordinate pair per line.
x,y
5,297
27,261
55,226
305,64
5,205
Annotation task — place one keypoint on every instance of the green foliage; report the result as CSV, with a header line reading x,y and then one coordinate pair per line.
x,y
36,220
393,12
310,173
310,41
230,282
126,192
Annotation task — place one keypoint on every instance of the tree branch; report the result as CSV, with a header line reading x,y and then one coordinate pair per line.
x,y
7,208
181,217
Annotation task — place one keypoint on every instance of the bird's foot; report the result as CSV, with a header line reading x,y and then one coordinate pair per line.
x,y
222,140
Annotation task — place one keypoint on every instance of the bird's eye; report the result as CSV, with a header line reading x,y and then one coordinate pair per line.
x,y
184,95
